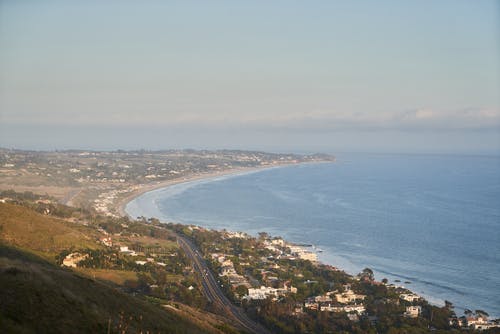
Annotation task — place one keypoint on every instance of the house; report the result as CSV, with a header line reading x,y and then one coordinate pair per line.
x,y
71,260
409,297
226,263
413,311
330,308
353,317
311,304
354,308
107,242
308,256
237,280
359,309
263,292
302,253
278,242
125,250
348,296
227,270
473,322
322,299
298,309
485,326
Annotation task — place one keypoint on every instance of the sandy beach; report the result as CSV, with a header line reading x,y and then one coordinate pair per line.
x,y
141,189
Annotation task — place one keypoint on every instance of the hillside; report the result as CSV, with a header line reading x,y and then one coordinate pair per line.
x,y
25,228
39,296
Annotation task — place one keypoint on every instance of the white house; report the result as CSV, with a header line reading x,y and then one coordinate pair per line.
x,y
348,296
322,299
409,297
354,308
71,260
413,311
263,292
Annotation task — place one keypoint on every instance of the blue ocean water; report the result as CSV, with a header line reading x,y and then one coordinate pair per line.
x,y
431,220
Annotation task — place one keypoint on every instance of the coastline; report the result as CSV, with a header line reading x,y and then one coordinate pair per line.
x,y
421,288
121,205
242,171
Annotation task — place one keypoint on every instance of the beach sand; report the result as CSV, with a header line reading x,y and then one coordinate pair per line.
x,y
141,189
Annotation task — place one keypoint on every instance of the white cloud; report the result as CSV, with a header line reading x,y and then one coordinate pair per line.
x,y
417,119
319,120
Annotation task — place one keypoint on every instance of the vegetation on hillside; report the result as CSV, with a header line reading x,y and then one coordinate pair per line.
x,y
39,297
107,291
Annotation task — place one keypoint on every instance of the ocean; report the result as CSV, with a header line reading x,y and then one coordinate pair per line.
x,y
431,222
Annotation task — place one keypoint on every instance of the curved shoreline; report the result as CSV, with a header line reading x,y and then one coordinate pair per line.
x,y
122,204
120,207
431,298
233,172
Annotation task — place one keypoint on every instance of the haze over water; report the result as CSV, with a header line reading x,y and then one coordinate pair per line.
x,y
431,220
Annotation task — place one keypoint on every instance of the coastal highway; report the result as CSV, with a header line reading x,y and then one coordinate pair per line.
x,y
213,292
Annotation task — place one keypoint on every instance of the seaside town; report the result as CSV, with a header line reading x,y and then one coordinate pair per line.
x,y
256,284
103,180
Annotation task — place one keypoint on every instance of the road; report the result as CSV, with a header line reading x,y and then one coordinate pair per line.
x,y
213,292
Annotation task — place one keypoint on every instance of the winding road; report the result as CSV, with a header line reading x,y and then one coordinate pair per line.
x,y
213,292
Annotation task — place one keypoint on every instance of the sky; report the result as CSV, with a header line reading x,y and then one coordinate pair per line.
x,y
299,76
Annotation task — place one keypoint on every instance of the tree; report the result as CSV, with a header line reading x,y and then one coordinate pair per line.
x,y
367,273
482,313
241,290
263,236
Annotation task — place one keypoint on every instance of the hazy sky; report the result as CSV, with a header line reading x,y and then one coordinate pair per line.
x,y
402,76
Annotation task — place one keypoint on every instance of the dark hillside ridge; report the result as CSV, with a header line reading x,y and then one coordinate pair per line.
x,y
39,297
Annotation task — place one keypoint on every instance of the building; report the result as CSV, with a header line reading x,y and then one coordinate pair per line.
x,y
359,309
71,260
413,311
310,256
476,321
323,299
125,250
278,242
263,292
409,297
311,304
107,242
348,296
227,270
354,308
